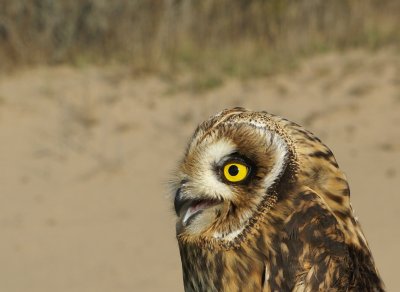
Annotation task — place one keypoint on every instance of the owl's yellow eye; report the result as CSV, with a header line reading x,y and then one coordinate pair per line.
x,y
235,171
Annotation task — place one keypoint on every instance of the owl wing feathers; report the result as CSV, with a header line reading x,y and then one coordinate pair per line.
x,y
314,239
313,244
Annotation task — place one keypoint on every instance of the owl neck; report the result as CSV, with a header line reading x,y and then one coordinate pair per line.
x,y
214,266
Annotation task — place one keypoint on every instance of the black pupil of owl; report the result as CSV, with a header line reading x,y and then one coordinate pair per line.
x,y
233,170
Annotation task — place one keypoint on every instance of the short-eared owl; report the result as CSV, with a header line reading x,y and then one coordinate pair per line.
x,y
263,206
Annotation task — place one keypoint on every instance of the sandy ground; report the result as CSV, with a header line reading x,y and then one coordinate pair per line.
x,y
85,157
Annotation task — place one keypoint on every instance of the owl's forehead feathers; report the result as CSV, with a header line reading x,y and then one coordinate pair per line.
x,y
231,119
234,128
215,152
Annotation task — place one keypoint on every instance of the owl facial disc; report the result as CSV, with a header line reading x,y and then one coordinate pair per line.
x,y
228,170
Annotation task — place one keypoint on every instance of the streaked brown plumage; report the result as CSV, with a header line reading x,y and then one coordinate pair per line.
x,y
263,206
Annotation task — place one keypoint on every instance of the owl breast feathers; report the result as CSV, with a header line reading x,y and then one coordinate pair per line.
x,y
262,205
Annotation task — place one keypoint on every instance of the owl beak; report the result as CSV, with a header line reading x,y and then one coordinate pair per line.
x,y
179,202
188,208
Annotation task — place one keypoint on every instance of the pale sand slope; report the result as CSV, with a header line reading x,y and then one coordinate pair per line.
x,y
85,156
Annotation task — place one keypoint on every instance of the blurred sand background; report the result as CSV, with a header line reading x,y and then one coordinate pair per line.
x,y
89,138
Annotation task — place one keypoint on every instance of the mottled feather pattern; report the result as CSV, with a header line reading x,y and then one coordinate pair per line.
x,y
288,227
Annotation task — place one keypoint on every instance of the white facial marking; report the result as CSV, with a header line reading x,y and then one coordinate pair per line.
x,y
281,152
207,181
230,236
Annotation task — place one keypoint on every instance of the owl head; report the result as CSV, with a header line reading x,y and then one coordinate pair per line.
x,y
237,164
